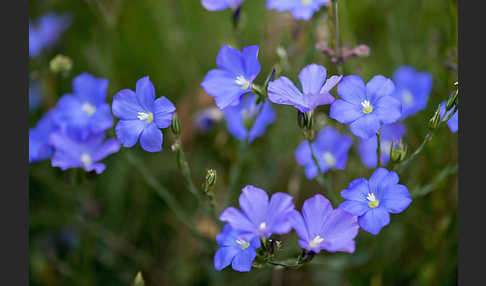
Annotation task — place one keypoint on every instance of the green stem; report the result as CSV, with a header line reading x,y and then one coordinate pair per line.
x,y
378,148
235,172
334,29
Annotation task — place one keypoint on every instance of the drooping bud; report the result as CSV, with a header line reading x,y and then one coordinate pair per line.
x,y
138,281
398,152
175,126
434,121
61,64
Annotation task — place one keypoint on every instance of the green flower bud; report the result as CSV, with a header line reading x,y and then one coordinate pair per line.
x,y
211,176
138,281
398,152
176,126
452,100
434,121
61,64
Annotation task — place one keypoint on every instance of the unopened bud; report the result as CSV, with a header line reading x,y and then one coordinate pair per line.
x,y
434,121
452,100
176,126
398,152
211,176
61,64
138,281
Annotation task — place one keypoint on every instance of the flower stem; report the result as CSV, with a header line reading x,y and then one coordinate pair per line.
x,y
235,172
378,149
334,30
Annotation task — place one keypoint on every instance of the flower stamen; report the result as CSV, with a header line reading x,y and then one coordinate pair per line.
x,y
329,159
88,108
372,201
367,108
86,159
149,117
243,243
316,241
242,81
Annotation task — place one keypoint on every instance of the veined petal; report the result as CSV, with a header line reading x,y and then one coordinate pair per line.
x,y
230,59
254,203
388,109
128,131
224,256
283,91
163,112
151,138
237,219
312,78
298,223
243,260
125,105
352,89
315,212
266,117
330,83
145,93
374,220
357,208
250,61
378,87
221,85
345,112
395,198
234,122
366,126
357,190
278,213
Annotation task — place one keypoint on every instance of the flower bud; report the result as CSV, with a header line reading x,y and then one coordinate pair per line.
x,y
211,176
434,121
452,100
61,64
138,281
274,247
398,152
176,126
304,120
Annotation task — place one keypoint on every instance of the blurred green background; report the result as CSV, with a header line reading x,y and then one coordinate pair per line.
x,y
88,229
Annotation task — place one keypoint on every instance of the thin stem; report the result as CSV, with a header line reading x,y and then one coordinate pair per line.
x,y
235,172
334,29
378,148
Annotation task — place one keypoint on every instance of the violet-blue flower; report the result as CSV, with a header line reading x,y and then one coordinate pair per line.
x,y
373,200
39,146
45,32
245,121
367,147
217,5
85,111
300,9
234,75
207,118
320,227
258,215
453,122
315,89
365,107
237,249
74,152
330,149
412,88
142,116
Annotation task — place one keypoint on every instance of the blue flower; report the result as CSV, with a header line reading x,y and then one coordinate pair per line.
x,y
314,85
259,216
207,118
85,111
372,200
300,9
234,75
237,249
412,89
216,5
366,107
244,120
367,147
73,152
46,31
142,116
39,146
453,122
330,149
322,227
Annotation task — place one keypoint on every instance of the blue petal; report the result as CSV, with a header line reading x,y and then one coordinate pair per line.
x,y
388,109
97,167
357,190
331,82
395,198
374,220
453,122
345,112
151,138
314,100
221,85
266,117
378,87
109,147
145,93
254,203
302,12
298,223
163,112
234,122
380,179
230,59
237,219
250,61
215,5
312,78
128,131
339,230
125,105
315,210
243,260
224,256
283,91
278,213
367,151
281,5
354,207
352,89
89,88
366,126
101,119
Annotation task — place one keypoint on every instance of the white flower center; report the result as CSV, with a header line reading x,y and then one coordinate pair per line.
x,y
86,159
263,226
329,159
305,2
243,243
146,116
372,201
242,81
88,108
407,97
367,108
316,241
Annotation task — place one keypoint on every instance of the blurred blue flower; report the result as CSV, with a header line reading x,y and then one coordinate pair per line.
x,y
322,227
85,111
453,122
237,249
365,107
412,88
314,85
142,116
39,146
244,120
45,32
207,118
367,147
216,5
234,75
259,216
373,200
74,152
300,9
35,98
330,149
